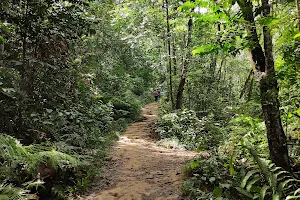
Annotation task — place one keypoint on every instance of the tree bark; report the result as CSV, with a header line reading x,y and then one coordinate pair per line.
x,y
257,52
298,12
270,104
185,65
268,86
174,56
169,55
248,80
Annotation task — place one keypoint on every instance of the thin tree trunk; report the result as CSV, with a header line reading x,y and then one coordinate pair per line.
x,y
268,86
174,56
169,55
219,73
185,65
212,69
189,94
298,12
250,88
249,78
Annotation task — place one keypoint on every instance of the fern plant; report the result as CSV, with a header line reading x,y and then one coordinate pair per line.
x,y
9,192
267,181
23,165
14,154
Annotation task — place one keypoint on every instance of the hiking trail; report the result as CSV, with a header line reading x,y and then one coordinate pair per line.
x,y
138,169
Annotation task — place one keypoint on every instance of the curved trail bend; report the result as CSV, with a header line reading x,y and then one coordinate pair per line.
x,y
139,169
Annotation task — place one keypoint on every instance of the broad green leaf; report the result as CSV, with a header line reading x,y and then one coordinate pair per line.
x,y
218,191
186,6
292,197
248,175
194,164
252,182
297,191
298,111
2,39
270,21
244,192
5,197
297,35
281,175
263,192
282,185
275,197
203,49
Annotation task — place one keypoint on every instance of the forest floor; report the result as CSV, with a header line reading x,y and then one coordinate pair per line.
x,y
138,169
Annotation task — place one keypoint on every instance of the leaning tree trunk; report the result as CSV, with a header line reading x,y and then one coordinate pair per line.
x,y
185,65
268,86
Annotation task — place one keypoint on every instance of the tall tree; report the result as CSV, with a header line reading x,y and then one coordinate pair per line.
x,y
267,83
185,65
169,54
298,12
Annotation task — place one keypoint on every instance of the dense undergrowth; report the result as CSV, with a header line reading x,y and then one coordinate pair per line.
x,y
235,162
64,97
67,150
74,73
231,132
227,112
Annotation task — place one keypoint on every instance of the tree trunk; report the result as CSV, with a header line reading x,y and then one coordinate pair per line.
x,y
169,55
185,65
248,80
270,104
298,12
174,56
268,86
211,78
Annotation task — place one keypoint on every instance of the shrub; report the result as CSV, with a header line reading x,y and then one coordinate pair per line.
x,y
192,132
212,177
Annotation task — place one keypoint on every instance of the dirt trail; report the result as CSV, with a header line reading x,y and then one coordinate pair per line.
x,y
139,169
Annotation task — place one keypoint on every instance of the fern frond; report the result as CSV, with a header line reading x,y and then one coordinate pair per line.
x,y
9,192
59,159
280,182
247,177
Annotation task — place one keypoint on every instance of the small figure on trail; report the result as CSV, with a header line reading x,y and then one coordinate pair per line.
x,y
156,95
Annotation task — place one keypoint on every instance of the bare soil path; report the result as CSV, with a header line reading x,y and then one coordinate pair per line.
x,y
139,169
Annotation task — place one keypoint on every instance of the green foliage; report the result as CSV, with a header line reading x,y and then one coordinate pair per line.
x,y
216,75
192,132
8,192
245,127
74,73
65,92
210,178
26,166
267,181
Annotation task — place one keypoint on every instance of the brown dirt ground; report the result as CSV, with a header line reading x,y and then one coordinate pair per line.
x,y
138,169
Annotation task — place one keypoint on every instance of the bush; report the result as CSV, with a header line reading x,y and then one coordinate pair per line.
x,y
192,132
212,177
